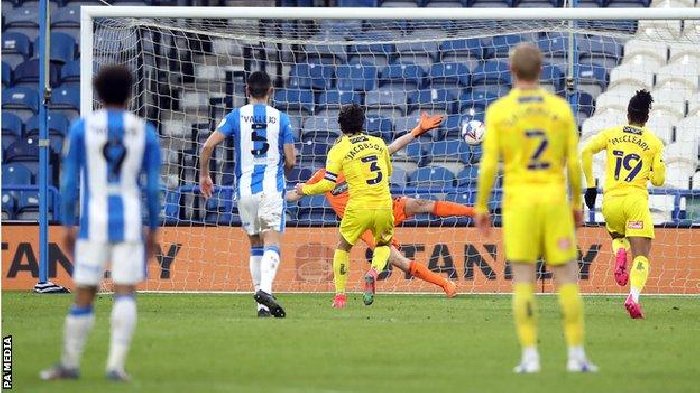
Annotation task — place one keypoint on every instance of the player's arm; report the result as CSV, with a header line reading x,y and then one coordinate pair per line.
x,y
290,152
573,167
657,176
333,167
425,124
595,145
294,195
225,128
487,171
70,175
151,169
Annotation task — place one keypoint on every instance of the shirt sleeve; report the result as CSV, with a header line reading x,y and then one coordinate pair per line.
x,y
230,124
286,130
573,166
333,168
387,160
489,162
151,169
317,177
73,150
595,145
657,176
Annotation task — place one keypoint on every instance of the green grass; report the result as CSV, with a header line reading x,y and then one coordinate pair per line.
x,y
215,343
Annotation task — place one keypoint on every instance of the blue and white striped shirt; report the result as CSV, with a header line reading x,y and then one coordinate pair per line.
x,y
108,152
259,133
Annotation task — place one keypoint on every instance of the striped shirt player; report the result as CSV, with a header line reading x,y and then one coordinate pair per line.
x,y
110,158
264,148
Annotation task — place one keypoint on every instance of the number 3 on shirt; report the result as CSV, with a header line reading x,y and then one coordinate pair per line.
x,y
373,167
536,163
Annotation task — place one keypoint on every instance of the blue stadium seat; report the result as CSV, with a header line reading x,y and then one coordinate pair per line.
x,y
592,78
311,153
21,100
9,206
311,75
465,198
502,44
449,151
434,100
603,50
315,209
585,103
345,28
474,154
28,206
63,48
476,100
433,178
375,47
384,101
24,150
326,46
356,76
66,100
57,123
27,73
379,126
11,125
463,49
220,208
6,75
358,3
399,177
446,75
16,47
70,73
422,52
468,177
66,17
25,19
552,76
16,174
294,99
405,124
171,205
327,138
491,72
299,175
338,98
315,124
403,75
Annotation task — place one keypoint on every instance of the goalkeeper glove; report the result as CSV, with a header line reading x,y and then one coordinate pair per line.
x,y
589,197
426,124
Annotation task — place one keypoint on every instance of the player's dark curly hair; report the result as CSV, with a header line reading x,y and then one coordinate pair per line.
x,y
259,84
351,119
113,84
639,107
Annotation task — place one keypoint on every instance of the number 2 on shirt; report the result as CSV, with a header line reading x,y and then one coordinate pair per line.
x,y
373,162
536,163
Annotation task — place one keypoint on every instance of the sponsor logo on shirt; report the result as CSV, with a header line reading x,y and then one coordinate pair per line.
x,y
635,225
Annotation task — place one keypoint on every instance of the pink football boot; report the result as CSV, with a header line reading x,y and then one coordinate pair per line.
x,y
621,274
634,308
339,300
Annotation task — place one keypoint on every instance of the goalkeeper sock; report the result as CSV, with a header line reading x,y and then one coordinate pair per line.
x,y
256,254
79,322
380,257
448,209
340,270
268,268
572,312
123,325
422,272
525,314
638,276
620,243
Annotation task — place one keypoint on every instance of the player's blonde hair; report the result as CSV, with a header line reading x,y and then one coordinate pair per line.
x,y
526,62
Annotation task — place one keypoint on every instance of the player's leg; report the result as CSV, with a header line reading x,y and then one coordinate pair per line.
x,y
90,260
381,222
639,273
415,269
256,254
437,208
341,268
270,215
614,215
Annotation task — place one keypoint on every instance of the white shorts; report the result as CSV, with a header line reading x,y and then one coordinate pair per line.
x,y
127,259
261,212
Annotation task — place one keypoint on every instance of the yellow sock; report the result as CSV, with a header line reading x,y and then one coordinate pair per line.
x,y
620,243
638,276
572,311
340,270
380,257
525,314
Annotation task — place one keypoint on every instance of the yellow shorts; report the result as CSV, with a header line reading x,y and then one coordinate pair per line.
x,y
628,215
380,222
539,230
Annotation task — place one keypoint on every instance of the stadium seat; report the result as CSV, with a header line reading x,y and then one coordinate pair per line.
x,y
502,44
23,19
374,47
555,49
299,175
681,50
315,209
696,181
694,104
450,154
66,100
464,51
311,75
670,100
11,125
28,205
616,98
449,75
220,209
356,76
294,99
16,47
386,102
57,124
399,177
21,100
662,125
633,74
358,3
682,152
432,178
63,48
659,30
592,79
27,73
679,76
468,177
406,76
432,100
419,47
338,98
585,103
67,17
346,28
552,79
603,50
491,72
655,50
379,126
70,73
538,3
326,45
9,206
477,101
465,198
328,138
6,75
399,3
323,124
688,131
311,153
595,124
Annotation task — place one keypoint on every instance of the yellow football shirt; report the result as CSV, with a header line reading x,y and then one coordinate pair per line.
x,y
534,133
366,164
634,155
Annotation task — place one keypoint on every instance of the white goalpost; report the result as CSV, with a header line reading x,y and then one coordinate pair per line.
x,y
190,66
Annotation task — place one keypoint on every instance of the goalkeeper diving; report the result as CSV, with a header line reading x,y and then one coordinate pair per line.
x,y
403,209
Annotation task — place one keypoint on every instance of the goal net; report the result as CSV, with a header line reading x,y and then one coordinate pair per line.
x,y
191,71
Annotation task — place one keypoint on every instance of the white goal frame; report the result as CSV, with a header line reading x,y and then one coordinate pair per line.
x,y
88,13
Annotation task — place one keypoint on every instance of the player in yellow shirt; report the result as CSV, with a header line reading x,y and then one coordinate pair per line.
x,y
366,164
534,133
634,155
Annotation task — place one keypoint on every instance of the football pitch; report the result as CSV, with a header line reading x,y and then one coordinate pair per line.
x,y
402,343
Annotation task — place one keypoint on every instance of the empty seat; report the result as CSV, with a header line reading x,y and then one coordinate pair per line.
x,y
220,209
338,98
434,100
9,206
399,177
11,125
661,124
22,100
299,175
678,77
379,126
67,17
595,124
70,73
555,49
313,152
670,100
16,174
66,100
502,44
356,76
324,124
615,98
6,75
682,152
27,73
468,177
603,50
328,138
311,75
688,131
476,100
24,19
462,50
373,46
680,50
552,78
465,198
678,174
664,30
386,102
63,48
16,47
327,45
419,48
694,104
294,99
448,74
402,75
405,124
432,178
632,74
592,79
657,50
450,154
491,72
57,125
28,205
